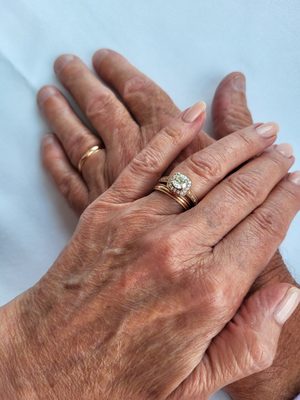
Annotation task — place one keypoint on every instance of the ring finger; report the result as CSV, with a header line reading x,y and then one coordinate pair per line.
x,y
206,168
74,136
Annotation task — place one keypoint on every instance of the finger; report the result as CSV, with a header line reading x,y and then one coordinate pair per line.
x,y
262,232
68,182
247,345
148,103
229,108
143,171
106,113
239,194
74,136
209,166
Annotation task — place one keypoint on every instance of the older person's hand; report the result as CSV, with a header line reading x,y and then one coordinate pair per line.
x,y
137,304
151,108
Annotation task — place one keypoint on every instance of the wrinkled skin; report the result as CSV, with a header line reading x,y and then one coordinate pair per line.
x,y
139,303
153,109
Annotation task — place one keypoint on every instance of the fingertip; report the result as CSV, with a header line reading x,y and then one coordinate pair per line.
x,y
44,93
99,56
192,114
62,61
235,81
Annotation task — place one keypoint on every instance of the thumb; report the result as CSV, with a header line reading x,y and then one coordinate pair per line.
x,y
229,109
246,345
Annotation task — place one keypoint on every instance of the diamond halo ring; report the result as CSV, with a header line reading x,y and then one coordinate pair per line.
x,y
178,186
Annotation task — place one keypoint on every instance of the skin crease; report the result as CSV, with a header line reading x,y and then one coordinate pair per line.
x,y
230,112
144,302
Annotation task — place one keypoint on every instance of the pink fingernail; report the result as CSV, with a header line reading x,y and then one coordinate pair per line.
x,y
100,55
267,130
285,149
192,113
45,93
287,306
238,83
62,61
294,177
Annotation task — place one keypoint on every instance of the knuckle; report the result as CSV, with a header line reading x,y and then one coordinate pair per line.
x,y
246,186
78,143
244,137
238,118
206,166
173,134
287,192
219,301
136,84
260,357
277,160
167,255
64,185
219,304
148,161
269,220
98,103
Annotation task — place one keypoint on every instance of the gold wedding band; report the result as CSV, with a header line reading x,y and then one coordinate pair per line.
x,y
86,155
183,201
178,187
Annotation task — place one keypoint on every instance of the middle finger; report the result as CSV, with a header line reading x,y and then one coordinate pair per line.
x,y
107,114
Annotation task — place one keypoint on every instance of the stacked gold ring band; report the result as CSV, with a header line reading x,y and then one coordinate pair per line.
x,y
92,150
178,187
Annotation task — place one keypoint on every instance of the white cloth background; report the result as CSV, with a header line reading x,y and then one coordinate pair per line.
x,y
186,46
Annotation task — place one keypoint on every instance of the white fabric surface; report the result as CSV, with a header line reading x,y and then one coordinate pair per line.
x,y
187,46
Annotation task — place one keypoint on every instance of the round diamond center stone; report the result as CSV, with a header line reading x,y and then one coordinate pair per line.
x,y
181,183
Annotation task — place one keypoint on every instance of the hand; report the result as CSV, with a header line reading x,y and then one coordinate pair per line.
x,y
230,112
122,135
136,305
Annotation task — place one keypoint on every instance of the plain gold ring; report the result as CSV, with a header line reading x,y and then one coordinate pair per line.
x,y
92,150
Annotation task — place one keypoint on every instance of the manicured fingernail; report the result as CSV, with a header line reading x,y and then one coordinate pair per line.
x,y
285,149
62,61
45,93
267,130
238,83
294,177
100,55
192,113
287,306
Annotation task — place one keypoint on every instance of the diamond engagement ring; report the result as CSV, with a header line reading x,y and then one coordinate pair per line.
x,y
178,187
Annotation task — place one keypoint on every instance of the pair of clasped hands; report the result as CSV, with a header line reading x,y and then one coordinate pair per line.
x,y
147,300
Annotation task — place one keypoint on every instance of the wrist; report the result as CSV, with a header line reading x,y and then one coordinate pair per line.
x,y
18,377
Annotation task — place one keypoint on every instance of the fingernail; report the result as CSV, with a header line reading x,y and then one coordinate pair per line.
x,y
45,93
287,306
285,149
62,61
294,177
100,55
267,130
194,112
238,83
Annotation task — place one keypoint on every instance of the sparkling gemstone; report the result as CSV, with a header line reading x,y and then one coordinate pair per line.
x,y
179,184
